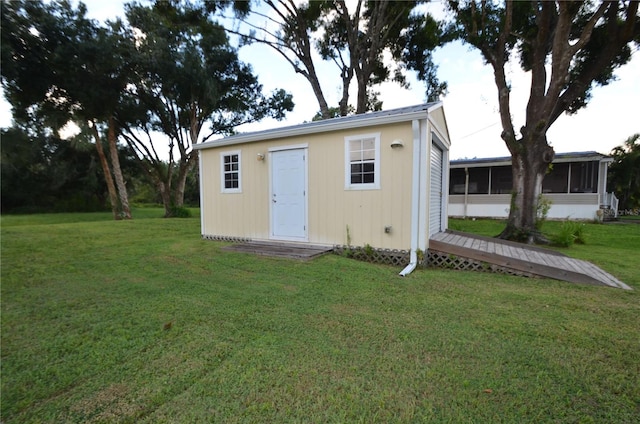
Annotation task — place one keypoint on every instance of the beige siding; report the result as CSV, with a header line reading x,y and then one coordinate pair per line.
x,y
437,116
331,208
505,199
235,214
483,199
573,198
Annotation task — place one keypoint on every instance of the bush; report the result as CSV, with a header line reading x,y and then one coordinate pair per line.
x,y
570,232
579,233
542,210
179,212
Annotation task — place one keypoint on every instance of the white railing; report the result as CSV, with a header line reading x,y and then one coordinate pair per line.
x,y
614,205
609,200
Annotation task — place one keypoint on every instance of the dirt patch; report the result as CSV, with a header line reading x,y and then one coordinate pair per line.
x,y
108,405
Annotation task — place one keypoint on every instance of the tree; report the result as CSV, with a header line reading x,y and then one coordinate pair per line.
x,y
624,173
188,78
60,66
354,40
43,173
567,47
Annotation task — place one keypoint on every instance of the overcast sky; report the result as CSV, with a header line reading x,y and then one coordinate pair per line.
x,y
471,106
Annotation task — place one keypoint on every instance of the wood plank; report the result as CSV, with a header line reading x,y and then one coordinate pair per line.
x,y
525,258
572,264
553,260
476,244
279,250
517,264
510,251
545,259
468,242
442,236
513,243
458,240
450,237
601,274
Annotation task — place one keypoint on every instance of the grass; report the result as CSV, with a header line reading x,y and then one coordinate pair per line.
x,y
85,304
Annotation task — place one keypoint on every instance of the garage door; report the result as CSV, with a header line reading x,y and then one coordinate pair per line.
x,y
435,196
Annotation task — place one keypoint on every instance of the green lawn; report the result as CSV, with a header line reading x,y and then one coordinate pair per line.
x,y
86,302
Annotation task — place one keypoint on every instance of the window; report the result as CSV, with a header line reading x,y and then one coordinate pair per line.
x,y
230,166
584,177
362,163
458,180
479,180
556,180
501,180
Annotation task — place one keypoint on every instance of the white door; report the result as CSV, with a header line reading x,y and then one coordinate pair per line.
x,y
288,195
435,196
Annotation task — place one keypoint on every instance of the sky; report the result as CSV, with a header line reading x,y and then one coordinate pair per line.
x,y
471,105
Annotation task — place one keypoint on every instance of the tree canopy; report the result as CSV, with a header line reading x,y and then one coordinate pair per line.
x,y
170,70
59,66
358,37
189,86
624,173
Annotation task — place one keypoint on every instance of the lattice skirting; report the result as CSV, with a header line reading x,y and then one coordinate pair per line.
x,y
445,260
434,259
226,238
369,254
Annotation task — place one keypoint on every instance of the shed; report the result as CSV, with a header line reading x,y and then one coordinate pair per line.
x,y
576,186
377,179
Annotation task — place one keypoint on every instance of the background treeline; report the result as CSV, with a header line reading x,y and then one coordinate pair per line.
x,y
40,172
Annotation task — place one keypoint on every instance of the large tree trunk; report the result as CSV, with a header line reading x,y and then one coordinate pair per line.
x,y
181,182
166,199
111,188
117,171
529,166
361,105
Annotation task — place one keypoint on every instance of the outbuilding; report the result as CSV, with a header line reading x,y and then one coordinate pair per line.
x,y
378,179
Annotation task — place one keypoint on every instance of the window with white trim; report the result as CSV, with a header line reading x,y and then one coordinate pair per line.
x,y
362,164
230,172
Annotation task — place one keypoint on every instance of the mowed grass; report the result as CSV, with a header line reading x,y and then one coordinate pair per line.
x,y
86,307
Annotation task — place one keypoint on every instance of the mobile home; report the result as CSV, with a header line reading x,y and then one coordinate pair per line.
x,y
576,186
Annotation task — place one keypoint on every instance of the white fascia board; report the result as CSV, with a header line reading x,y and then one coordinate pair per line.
x,y
599,158
507,161
479,164
313,128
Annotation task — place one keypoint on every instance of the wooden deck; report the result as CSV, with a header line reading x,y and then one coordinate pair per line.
x,y
281,250
522,258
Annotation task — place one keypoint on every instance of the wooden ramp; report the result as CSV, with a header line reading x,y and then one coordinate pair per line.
x,y
519,258
281,250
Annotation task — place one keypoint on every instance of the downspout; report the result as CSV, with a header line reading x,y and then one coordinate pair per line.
x,y
466,190
415,199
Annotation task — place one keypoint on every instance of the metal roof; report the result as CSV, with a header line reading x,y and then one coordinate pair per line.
x,y
334,124
506,160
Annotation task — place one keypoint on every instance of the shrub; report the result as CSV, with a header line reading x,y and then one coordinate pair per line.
x,y
570,232
542,210
179,212
579,232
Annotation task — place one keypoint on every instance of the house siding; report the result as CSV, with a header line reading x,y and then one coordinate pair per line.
x,y
573,206
331,207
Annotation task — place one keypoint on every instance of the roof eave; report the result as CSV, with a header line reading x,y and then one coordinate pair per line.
x,y
315,128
